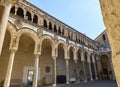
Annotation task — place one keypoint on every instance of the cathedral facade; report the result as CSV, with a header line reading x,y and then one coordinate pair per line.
x,y
39,49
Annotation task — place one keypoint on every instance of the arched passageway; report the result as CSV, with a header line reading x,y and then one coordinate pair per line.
x,y
23,67
106,72
80,67
46,63
87,66
72,66
61,65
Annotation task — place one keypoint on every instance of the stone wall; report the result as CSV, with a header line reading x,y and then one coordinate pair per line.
x,y
111,16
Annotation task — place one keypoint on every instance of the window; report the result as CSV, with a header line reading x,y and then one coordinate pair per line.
x,y
59,30
50,26
45,23
55,29
63,32
35,19
12,10
28,16
104,38
20,12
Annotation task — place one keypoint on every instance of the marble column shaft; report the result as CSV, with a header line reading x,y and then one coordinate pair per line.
x,y
36,66
9,69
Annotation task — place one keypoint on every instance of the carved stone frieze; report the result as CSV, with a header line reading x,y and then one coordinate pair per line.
x,y
55,38
18,24
39,32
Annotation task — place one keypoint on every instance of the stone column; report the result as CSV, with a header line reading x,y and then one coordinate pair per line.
x,y
84,70
3,23
9,69
96,77
36,66
83,64
16,9
55,77
77,71
67,71
89,63
32,16
95,69
25,17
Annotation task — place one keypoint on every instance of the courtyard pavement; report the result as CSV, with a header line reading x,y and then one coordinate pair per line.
x,y
99,83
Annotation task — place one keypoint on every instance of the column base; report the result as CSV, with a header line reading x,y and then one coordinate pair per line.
x,y
91,79
78,81
96,78
67,82
54,85
85,80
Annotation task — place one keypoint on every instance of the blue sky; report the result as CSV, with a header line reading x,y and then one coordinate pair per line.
x,y
83,15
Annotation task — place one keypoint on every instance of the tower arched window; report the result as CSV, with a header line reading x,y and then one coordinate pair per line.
x,y
28,15
104,38
12,10
35,19
45,23
71,36
55,29
68,34
59,31
50,26
63,32
20,12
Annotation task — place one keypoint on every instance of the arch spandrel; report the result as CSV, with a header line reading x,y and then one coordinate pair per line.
x,y
11,28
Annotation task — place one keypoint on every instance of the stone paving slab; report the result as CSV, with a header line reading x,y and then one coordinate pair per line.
x,y
105,83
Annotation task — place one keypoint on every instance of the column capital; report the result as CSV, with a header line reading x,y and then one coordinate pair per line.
x,y
67,58
54,57
37,50
75,60
37,54
13,50
14,43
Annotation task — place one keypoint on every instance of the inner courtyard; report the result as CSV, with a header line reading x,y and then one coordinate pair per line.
x,y
40,50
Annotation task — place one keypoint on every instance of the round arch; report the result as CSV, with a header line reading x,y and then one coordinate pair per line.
x,y
61,61
52,43
106,67
45,36
72,47
64,45
29,32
